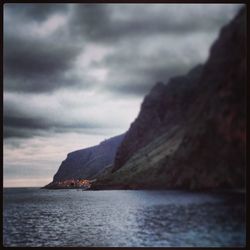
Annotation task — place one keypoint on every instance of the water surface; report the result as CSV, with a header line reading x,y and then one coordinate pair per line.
x,y
124,218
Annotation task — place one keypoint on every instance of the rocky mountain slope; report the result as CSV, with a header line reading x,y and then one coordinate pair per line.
x,y
87,163
191,132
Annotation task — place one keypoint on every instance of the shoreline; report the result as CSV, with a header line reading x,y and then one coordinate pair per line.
x,y
204,190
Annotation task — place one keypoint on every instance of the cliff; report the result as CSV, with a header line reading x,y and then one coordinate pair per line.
x,y
87,163
191,132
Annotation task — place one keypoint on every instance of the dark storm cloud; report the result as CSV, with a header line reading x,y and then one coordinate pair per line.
x,y
44,63
98,22
25,116
10,132
132,71
35,12
18,123
36,57
90,20
37,63
34,65
145,71
26,127
136,85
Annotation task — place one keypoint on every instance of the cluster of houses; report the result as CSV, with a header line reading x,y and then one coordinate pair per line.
x,y
72,183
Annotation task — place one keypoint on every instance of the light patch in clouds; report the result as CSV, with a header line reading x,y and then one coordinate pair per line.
x,y
86,63
99,74
91,53
51,25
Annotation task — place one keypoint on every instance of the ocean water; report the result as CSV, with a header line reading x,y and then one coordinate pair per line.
x,y
124,218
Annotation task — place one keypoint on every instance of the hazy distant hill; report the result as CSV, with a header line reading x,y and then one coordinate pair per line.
x,y
86,163
191,132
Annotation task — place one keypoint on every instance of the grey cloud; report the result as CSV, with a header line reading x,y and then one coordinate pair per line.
x,y
96,22
34,12
145,71
23,56
36,65
40,123
19,124
135,88
25,127
10,132
139,84
91,20
40,64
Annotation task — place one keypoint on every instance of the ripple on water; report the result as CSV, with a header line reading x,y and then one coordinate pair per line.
x,y
34,217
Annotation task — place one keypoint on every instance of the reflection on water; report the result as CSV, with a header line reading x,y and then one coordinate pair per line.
x,y
35,217
195,225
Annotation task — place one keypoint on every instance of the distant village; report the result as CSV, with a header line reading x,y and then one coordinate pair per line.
x,y
72,183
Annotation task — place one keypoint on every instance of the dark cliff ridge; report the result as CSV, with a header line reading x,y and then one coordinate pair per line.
x,y
164,107
200,116
87,163
213,151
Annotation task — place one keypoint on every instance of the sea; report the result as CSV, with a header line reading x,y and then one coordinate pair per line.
x,y
122,218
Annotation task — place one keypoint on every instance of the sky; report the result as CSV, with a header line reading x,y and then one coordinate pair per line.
x,y
76,74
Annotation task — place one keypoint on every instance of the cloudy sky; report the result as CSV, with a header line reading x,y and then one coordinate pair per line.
x,y
76,74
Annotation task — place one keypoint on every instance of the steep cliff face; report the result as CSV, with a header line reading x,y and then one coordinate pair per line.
x,y
191,133
164,107
86,163
212,152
